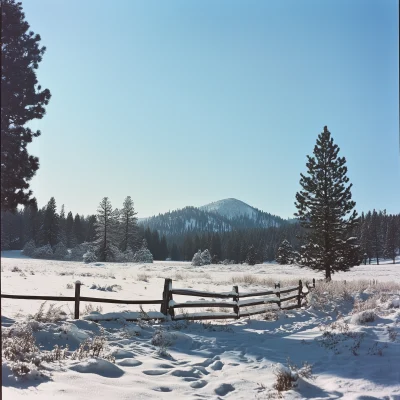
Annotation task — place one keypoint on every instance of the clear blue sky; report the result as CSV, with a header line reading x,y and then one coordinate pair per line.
x,y
186,102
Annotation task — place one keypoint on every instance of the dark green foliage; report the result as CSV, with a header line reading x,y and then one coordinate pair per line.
x,y
69,231
325,211
90,229
251,256
22,100
78,230
284,255
51,227
392,236
106,231
129,226
175,255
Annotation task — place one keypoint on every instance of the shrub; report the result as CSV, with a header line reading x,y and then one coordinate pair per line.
x,y
196,260
78,251
206,257
89,257
44,252
29,248
106,288
16,269
95,347
53,314
60,251
143,256
143,277
287,376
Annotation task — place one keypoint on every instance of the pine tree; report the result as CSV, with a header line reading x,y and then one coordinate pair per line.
x,y
175,256
51,228
251,255
376,235
284,255
163,248
22,100
78,229
129,228
69,233
323,207
62,223
90,231
392,234
106,230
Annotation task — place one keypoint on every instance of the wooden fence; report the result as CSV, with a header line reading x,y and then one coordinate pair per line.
x,y
168,304
233,300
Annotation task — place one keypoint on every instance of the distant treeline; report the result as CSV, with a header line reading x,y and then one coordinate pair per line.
x,y
378,235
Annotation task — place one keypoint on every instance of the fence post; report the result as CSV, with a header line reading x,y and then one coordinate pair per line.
x,y
278,293
313,282
236,308
165,297
77,298
171,310
300,293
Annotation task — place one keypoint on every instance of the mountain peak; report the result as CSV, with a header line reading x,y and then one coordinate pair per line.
x,y
231,208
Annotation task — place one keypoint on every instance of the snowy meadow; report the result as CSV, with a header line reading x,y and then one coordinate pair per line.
x,y
344,342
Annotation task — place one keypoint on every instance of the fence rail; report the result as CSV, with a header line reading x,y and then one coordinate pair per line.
x,y
168,304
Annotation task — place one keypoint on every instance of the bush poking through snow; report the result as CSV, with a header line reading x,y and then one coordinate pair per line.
x,y
287,376
16,269
21,353
53,314
143,277
143,256
89,257
88,309
106,288
363,317
60,251
29,248
95,347
44,252
162,340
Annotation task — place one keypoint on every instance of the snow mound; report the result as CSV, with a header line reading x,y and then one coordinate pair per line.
x,y
98,366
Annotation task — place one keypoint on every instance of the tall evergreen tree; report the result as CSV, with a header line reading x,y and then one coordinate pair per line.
x,y
106,230
78,229
90,231
69,232
325,210
376,235
284,255
392,234
251,256
22,100
129,228
51,227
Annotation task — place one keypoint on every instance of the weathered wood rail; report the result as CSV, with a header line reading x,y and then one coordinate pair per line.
x,y
238,302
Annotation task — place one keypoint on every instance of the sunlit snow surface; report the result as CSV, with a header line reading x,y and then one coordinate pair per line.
x,y
233,359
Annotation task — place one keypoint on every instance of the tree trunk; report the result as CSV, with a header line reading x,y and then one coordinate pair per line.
x,y
328,274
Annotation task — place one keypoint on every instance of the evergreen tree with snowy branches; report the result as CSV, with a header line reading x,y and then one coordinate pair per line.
x,y
22,100
325,211
284,255
129,227
106,230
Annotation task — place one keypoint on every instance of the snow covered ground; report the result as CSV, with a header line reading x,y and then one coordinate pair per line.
x,y
351,358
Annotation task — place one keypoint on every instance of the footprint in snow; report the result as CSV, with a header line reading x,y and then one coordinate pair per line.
x,y
155,372
217,365
129,362
191,373
224,389
198,384
162,389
